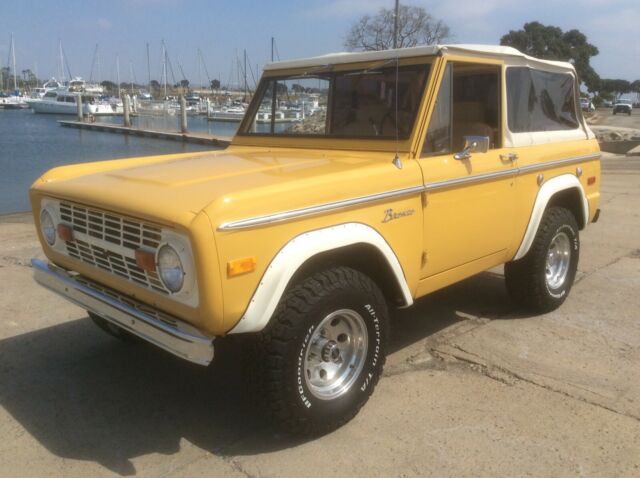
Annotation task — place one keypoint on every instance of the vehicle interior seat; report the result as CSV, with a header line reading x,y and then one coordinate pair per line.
x,y
469,119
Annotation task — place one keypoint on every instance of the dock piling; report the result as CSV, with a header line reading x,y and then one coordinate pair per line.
x,y
183,115
125,108
79,105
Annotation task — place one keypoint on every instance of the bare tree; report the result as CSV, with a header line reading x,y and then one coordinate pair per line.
x,y
415,27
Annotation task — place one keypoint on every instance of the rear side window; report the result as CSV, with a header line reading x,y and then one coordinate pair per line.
x,y
540,100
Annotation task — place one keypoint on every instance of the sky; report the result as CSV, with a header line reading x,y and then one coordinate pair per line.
x,y
223,29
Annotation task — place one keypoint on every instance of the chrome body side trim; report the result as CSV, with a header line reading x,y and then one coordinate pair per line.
x,y
478,178
559,162
312,210
175,336
434,186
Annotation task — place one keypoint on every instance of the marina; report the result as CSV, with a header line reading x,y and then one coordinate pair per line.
x,y
30,144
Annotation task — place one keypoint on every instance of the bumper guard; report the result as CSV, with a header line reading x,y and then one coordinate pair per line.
x,y
174,336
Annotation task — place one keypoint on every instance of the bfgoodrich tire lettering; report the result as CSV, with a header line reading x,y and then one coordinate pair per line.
x,y
294,403
542,279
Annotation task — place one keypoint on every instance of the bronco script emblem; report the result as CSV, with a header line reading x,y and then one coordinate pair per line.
x,y
390,214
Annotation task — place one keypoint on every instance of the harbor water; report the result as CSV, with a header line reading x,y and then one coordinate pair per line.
x,y
30,144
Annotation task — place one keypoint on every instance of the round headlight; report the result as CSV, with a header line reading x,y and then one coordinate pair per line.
x,y
48,227
170,268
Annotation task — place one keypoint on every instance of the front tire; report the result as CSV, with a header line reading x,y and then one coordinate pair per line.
x,y
323,352
542,279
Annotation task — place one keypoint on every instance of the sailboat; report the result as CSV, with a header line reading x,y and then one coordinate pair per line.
x,y
15,100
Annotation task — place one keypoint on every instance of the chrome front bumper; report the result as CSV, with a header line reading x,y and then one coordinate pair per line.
x,y
172,335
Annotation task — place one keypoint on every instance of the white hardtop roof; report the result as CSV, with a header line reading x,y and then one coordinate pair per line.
x,y
514,55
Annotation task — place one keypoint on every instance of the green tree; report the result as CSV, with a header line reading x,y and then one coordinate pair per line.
x,y
551,43
4,77
415,27
109,86
615,87
215,84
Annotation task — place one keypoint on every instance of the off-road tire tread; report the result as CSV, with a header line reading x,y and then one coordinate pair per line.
x,y
524,283
273,344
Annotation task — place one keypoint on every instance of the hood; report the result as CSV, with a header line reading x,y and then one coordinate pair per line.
x,y
173,189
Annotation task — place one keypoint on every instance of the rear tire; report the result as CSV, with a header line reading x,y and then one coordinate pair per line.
x,y
542,279
323,352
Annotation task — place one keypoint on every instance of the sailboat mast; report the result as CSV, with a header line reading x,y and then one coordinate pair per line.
x,y
164,67
148,69
93,62
199,71
245,74
273,40
13,54
118,75
61,70
131,75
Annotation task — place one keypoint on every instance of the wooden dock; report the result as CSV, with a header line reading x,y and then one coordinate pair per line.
x,y
198,138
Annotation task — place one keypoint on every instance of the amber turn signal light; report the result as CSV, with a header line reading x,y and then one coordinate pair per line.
x,y
591,180
65,232
145,260
237,267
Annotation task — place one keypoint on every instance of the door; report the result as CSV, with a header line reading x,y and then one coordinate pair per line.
x,y
469,206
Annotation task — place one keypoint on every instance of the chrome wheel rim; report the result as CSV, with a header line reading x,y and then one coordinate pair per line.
x,y
558,260
336,354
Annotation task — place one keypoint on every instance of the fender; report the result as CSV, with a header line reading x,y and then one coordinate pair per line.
x,y
296,252
547,190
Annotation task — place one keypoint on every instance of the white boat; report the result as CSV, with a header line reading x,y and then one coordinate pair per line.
x,y
63,102
15,100
51,85
78,85
230,113
280,116
156,108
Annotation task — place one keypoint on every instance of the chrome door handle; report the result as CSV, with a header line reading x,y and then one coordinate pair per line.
x,y
509,157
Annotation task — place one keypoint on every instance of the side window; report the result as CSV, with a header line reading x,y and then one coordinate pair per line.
x,y
468,104
540,100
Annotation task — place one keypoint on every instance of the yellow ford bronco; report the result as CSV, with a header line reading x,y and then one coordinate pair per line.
x,y
356,183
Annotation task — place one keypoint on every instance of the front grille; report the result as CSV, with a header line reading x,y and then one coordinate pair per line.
x,y
110,227
108,241
139,306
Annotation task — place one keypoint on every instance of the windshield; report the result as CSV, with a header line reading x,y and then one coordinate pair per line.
x,y
346,104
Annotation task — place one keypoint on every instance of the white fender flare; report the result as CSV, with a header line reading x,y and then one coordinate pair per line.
x,y
547,190
301,248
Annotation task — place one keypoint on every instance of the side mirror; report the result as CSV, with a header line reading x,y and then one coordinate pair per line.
x,y
473,144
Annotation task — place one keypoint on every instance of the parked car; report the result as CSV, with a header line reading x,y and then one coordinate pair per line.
x,y
622,106
404,172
